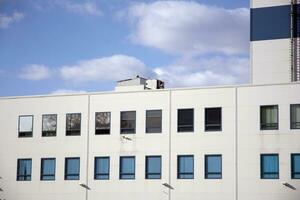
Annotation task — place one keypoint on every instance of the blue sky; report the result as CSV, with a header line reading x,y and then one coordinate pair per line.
x,y
61,46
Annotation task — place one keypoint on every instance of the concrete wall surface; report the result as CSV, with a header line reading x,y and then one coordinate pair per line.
x,y
240,142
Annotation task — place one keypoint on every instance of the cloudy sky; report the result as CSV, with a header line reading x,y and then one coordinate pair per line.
x,y
60,46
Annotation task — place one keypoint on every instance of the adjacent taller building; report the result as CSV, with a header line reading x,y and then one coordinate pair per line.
x,y
275,43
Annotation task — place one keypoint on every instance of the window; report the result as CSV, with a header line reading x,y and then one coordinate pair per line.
x,y
48,169
185,120
295,166
213,166
269,117
24,170
72,168
25,125
153,167
185,167
128,122
102,123
49,125
73,124
153,121
295,116
101,168
213,119
269,166
127,167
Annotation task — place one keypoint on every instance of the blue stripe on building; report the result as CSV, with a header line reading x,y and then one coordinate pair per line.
x,y
272,23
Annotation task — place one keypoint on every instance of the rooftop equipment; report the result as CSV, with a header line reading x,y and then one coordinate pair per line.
x,y
139,83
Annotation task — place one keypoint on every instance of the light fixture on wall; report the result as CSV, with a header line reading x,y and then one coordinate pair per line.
x,y
286,184
168,186
126,138
85,186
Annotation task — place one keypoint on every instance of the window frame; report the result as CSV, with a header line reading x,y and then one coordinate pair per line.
x,y
293,173
147,174
146,129
43,132
41,172
120,168
274,126
73,132
109,129
24,176
291,118
262,173
66,166
184,126
121,129
101,174
205,120
28,133
206,173
179,173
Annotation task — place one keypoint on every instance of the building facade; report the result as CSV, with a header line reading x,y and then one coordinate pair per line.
x,y
145,142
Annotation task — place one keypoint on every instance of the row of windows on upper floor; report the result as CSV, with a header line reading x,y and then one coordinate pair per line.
x,y
269,120
153,167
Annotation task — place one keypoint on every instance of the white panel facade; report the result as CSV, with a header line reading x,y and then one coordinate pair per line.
x,y
139,145
252,142
271,61
240,143
267,3
37,147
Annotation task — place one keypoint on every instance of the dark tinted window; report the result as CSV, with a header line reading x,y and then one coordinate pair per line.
x,y
269,117
185,120
25,125
49,125
24,170
295,166
213,119
72,168
269,164
185,167
128,122
73,124
153,121
295,116
153,167
102,123
101,168
127,167
48,169
213,166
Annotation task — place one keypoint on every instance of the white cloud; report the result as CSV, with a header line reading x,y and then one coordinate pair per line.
x,y
105,69
212,43
189,28
35,72
7,20
216,70
198,71
86,8
205,72
67,91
